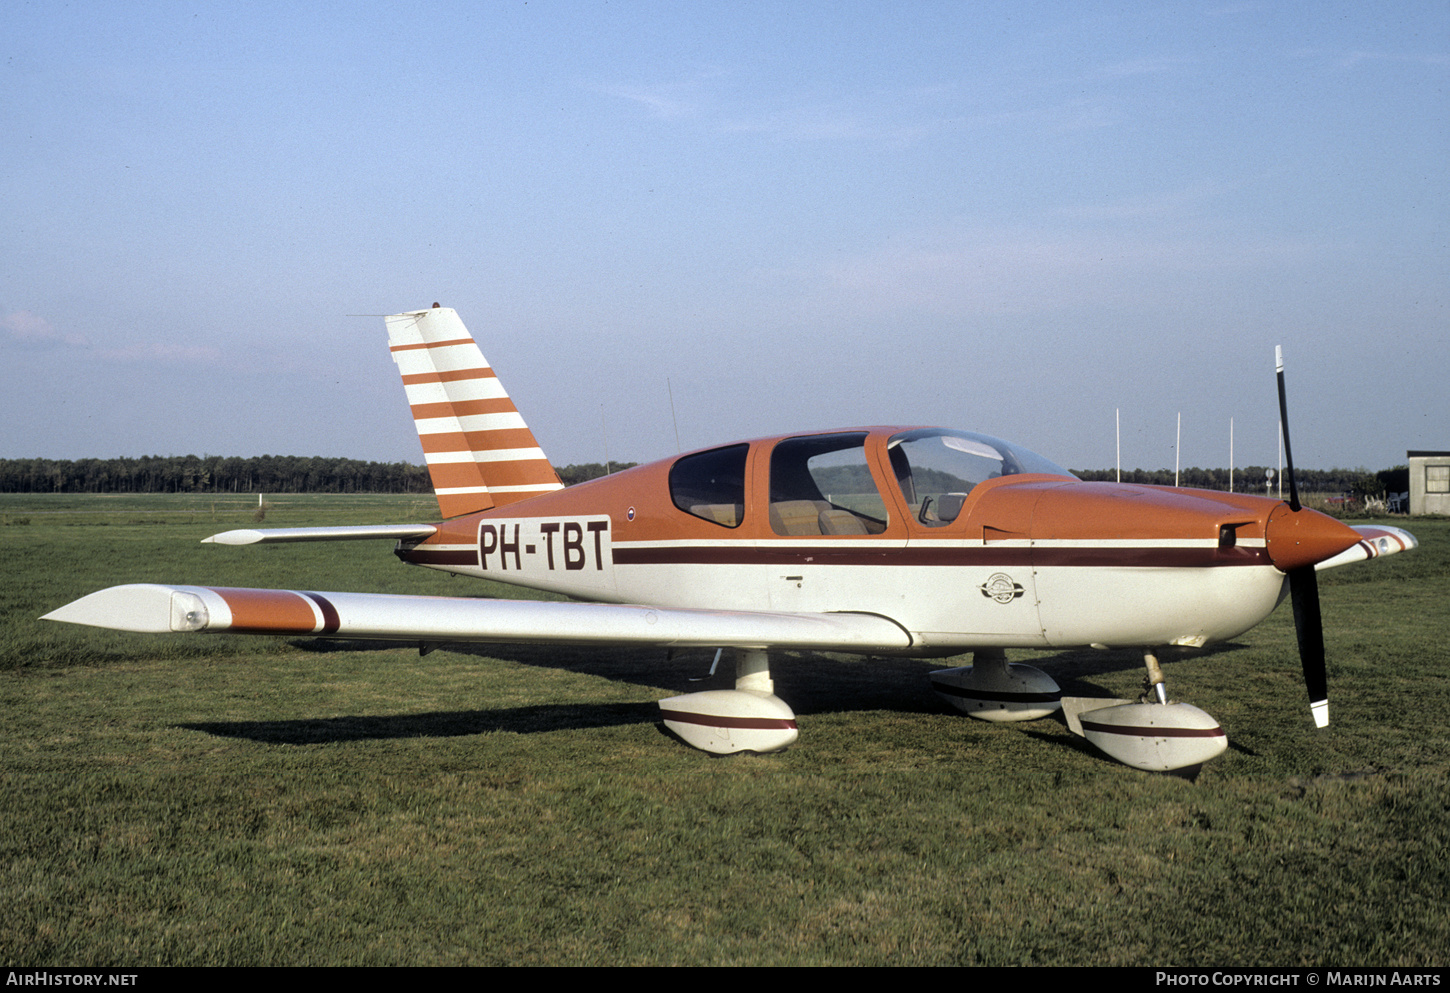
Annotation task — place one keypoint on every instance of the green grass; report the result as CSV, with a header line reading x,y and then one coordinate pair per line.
x,y
223,800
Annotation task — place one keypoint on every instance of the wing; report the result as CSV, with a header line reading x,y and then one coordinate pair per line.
x,y
1375,540
156,608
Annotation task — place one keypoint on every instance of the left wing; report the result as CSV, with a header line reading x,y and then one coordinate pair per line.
x,y
154,608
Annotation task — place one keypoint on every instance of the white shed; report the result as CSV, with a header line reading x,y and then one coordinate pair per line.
x,y
1429,482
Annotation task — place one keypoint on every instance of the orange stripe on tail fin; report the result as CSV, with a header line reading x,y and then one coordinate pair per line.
x,y
479,451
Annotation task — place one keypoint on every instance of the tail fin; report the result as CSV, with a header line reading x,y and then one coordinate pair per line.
x,y
479,451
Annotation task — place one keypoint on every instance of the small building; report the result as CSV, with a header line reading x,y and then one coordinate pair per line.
x,y
1429,483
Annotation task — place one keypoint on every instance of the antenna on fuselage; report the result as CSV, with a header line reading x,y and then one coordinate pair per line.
x,y
604,429
678,447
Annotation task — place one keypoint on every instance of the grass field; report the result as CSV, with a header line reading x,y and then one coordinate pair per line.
x,y
215,800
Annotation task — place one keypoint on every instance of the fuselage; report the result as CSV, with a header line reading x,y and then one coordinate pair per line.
x,y
963,540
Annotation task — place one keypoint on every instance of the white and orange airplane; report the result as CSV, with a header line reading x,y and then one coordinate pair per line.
x,y
909,541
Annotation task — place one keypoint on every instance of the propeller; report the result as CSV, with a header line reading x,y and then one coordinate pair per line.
x,y
1304,584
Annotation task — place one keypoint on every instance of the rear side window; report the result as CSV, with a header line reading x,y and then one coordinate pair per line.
x,y
711,485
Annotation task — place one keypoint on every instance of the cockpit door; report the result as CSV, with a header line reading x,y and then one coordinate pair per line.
x,y
828,537
973,570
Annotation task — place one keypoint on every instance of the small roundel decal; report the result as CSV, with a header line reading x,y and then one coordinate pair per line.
x,y
1000,587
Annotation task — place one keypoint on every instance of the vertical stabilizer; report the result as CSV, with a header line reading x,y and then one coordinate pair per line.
x,y
479,451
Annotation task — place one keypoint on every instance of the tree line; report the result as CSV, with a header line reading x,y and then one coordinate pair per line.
x,y
231,474
1357,483
315,474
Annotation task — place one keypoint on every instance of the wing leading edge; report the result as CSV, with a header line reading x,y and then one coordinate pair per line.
x,y
155,608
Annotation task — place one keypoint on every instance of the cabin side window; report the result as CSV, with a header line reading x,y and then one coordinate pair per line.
x,y
822,485
711,485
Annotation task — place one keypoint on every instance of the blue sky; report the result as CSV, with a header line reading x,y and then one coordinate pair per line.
x,y
1010,217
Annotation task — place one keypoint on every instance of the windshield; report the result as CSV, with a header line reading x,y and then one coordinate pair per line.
x,y
936,468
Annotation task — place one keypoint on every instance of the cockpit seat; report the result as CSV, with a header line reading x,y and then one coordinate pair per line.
x,y
797,516
837,521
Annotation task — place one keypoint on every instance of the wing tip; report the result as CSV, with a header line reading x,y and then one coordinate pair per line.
x,y
143,608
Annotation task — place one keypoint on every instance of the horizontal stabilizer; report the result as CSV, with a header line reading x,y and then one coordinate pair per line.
x,y
157,609
263,536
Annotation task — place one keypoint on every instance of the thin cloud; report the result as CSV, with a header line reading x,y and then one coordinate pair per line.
x,y
665,100
27,330
656,101
30,330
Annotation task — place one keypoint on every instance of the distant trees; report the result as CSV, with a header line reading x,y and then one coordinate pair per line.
x,y
211,474
585,471
315,474
230,474
1250,479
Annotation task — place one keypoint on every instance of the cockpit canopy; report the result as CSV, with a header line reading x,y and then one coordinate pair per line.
x,y
936,468
823,484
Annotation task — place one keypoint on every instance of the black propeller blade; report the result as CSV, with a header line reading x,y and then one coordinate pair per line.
x,y
1304,585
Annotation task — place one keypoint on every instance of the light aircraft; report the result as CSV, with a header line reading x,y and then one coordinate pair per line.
x,y
906,541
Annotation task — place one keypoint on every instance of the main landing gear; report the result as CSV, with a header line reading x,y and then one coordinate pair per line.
x,y
749,718
1151,733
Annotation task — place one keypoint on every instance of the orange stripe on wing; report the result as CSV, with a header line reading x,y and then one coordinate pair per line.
x,y
268,611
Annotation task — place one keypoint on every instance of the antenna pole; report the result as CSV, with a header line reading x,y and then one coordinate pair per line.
x,y
676,420
604,430
1177,448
